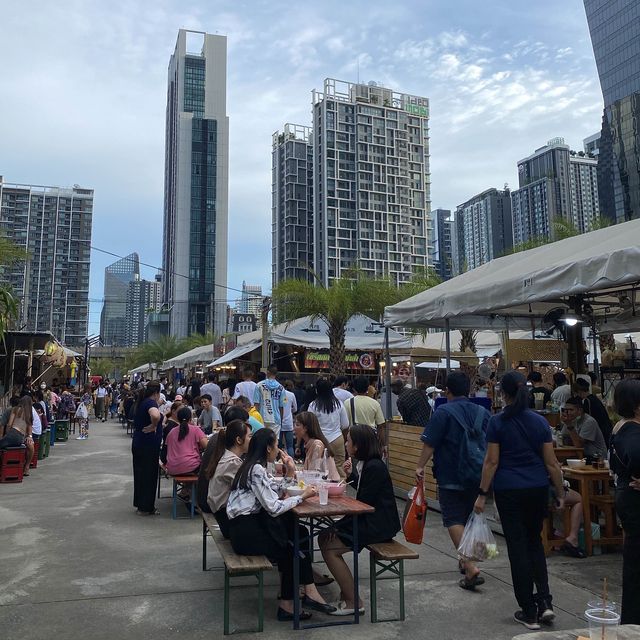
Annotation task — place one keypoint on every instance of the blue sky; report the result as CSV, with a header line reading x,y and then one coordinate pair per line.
x,y
84,89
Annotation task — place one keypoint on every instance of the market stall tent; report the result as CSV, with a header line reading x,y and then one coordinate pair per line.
x,y
199,354
602,268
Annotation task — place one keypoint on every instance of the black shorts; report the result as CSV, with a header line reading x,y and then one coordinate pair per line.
x,y
456,505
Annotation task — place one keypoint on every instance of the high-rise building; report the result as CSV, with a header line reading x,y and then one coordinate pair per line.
x,y
53,224
555,182
117,277
371,181
196,185
442,252
614,26
483,229
591,144
144,297
292,204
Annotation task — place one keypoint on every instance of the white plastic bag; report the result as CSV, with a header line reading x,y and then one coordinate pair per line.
x,y
478,543
82,412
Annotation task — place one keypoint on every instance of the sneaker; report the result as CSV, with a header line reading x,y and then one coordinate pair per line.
x,y
80,438
529,622
545,611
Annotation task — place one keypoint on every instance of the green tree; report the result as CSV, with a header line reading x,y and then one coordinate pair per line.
x,y
346,296
155,351
104,367
10,254
197,340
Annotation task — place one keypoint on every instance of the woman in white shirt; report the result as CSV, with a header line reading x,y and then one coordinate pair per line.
x,y
333,418
259,522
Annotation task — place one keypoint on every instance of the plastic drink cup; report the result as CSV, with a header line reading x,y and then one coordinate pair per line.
x,y
603,624
597,603
323,493
538,399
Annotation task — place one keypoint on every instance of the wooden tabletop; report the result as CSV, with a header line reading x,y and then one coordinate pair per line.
x,y
338,506
625,632
587,470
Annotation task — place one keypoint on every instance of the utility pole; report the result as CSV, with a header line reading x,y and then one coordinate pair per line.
x,y
266,306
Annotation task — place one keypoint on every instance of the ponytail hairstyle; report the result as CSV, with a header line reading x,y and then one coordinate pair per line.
x,y
226,439
184,417
514,387
151,389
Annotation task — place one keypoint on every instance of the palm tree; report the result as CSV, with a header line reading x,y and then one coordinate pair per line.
x,y
352,293
103,367
157,351
197,340
468,339
10,254
8,309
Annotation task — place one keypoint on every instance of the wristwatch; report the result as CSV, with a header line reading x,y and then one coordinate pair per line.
x,y
482,492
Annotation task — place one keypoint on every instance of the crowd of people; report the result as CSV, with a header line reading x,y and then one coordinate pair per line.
x,y
236,437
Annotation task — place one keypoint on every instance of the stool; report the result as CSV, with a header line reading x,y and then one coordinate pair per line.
x,y
388,557
61,430
36,453
549,541
12,462
181,481
45,442
606,504
42,448
52,433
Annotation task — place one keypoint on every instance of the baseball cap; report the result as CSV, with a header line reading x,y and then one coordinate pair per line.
x,y
433,390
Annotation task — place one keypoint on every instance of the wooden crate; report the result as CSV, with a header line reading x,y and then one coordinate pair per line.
x,y
404,450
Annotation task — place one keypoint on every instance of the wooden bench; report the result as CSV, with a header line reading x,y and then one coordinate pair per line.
x,y
388,557
607,504
549,541
235,566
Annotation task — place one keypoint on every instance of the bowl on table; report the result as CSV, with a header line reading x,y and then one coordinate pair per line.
x,y
295,490
336,489
575,463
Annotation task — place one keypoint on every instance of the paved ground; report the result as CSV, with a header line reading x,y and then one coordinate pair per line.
x,y
76,562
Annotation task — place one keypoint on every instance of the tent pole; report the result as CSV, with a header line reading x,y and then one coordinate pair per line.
x,y
387,373
596,364
447,337
505,350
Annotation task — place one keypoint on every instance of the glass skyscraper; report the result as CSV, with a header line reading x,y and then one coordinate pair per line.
x,y
615,35
196,185
117,277
53,224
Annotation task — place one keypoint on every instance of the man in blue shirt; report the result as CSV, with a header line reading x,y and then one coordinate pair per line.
x,y
455,437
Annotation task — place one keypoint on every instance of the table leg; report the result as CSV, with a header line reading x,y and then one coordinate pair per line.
x,y
296,575
585,489
356,586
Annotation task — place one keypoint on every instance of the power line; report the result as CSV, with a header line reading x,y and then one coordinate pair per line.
x,y
175,273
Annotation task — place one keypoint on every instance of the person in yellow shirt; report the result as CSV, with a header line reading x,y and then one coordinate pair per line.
x,y
245,403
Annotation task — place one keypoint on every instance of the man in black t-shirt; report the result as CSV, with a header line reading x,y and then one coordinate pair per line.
x,y
594,407
535,378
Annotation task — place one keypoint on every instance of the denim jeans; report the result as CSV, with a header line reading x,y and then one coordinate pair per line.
x,y
286,441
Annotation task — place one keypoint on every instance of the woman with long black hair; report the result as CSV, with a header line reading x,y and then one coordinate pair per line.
x,y
232,443
333,418
260,523
625,464
145,448
184,446
520,461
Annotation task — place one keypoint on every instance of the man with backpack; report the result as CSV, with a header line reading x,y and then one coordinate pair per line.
x,y
456,439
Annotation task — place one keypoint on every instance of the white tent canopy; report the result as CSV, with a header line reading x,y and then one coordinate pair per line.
x,y
236,353
143,368
199,354
516,291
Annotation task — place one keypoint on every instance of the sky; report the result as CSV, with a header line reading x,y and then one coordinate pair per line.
x,y
84,93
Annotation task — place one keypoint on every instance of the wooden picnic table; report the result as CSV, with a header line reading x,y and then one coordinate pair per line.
x,y
586,476
319,518
565,453
625,632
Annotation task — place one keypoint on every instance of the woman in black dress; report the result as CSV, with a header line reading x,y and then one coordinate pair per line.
x,y
624,459
145,447
370,476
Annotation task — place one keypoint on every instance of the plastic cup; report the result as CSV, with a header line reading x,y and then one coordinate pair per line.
x,y
323,493
603,624
597,603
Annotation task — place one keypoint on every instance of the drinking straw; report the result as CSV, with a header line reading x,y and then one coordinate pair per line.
x,y
604,604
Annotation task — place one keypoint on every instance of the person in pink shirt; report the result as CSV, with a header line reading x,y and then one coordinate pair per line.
x,y
184,446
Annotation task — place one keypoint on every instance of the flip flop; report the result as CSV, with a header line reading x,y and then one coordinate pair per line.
x,y
471,583
324,581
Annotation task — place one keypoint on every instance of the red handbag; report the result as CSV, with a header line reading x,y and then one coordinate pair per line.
x,y
415,515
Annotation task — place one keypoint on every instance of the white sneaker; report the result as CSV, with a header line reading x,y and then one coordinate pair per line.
x,y
80,438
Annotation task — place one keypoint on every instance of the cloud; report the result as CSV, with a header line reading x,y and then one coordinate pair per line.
x,y
85,95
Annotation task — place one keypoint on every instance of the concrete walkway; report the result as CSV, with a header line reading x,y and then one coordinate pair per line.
x,y
76,562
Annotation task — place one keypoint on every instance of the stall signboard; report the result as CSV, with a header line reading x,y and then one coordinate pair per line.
x,y
353,360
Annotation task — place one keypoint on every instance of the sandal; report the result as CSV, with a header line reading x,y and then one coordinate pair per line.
x,y
342,610
574,552
324,580
471,583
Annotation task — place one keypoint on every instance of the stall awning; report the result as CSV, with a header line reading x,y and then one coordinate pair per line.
x,y
143,368
517,290
199,354
238,352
